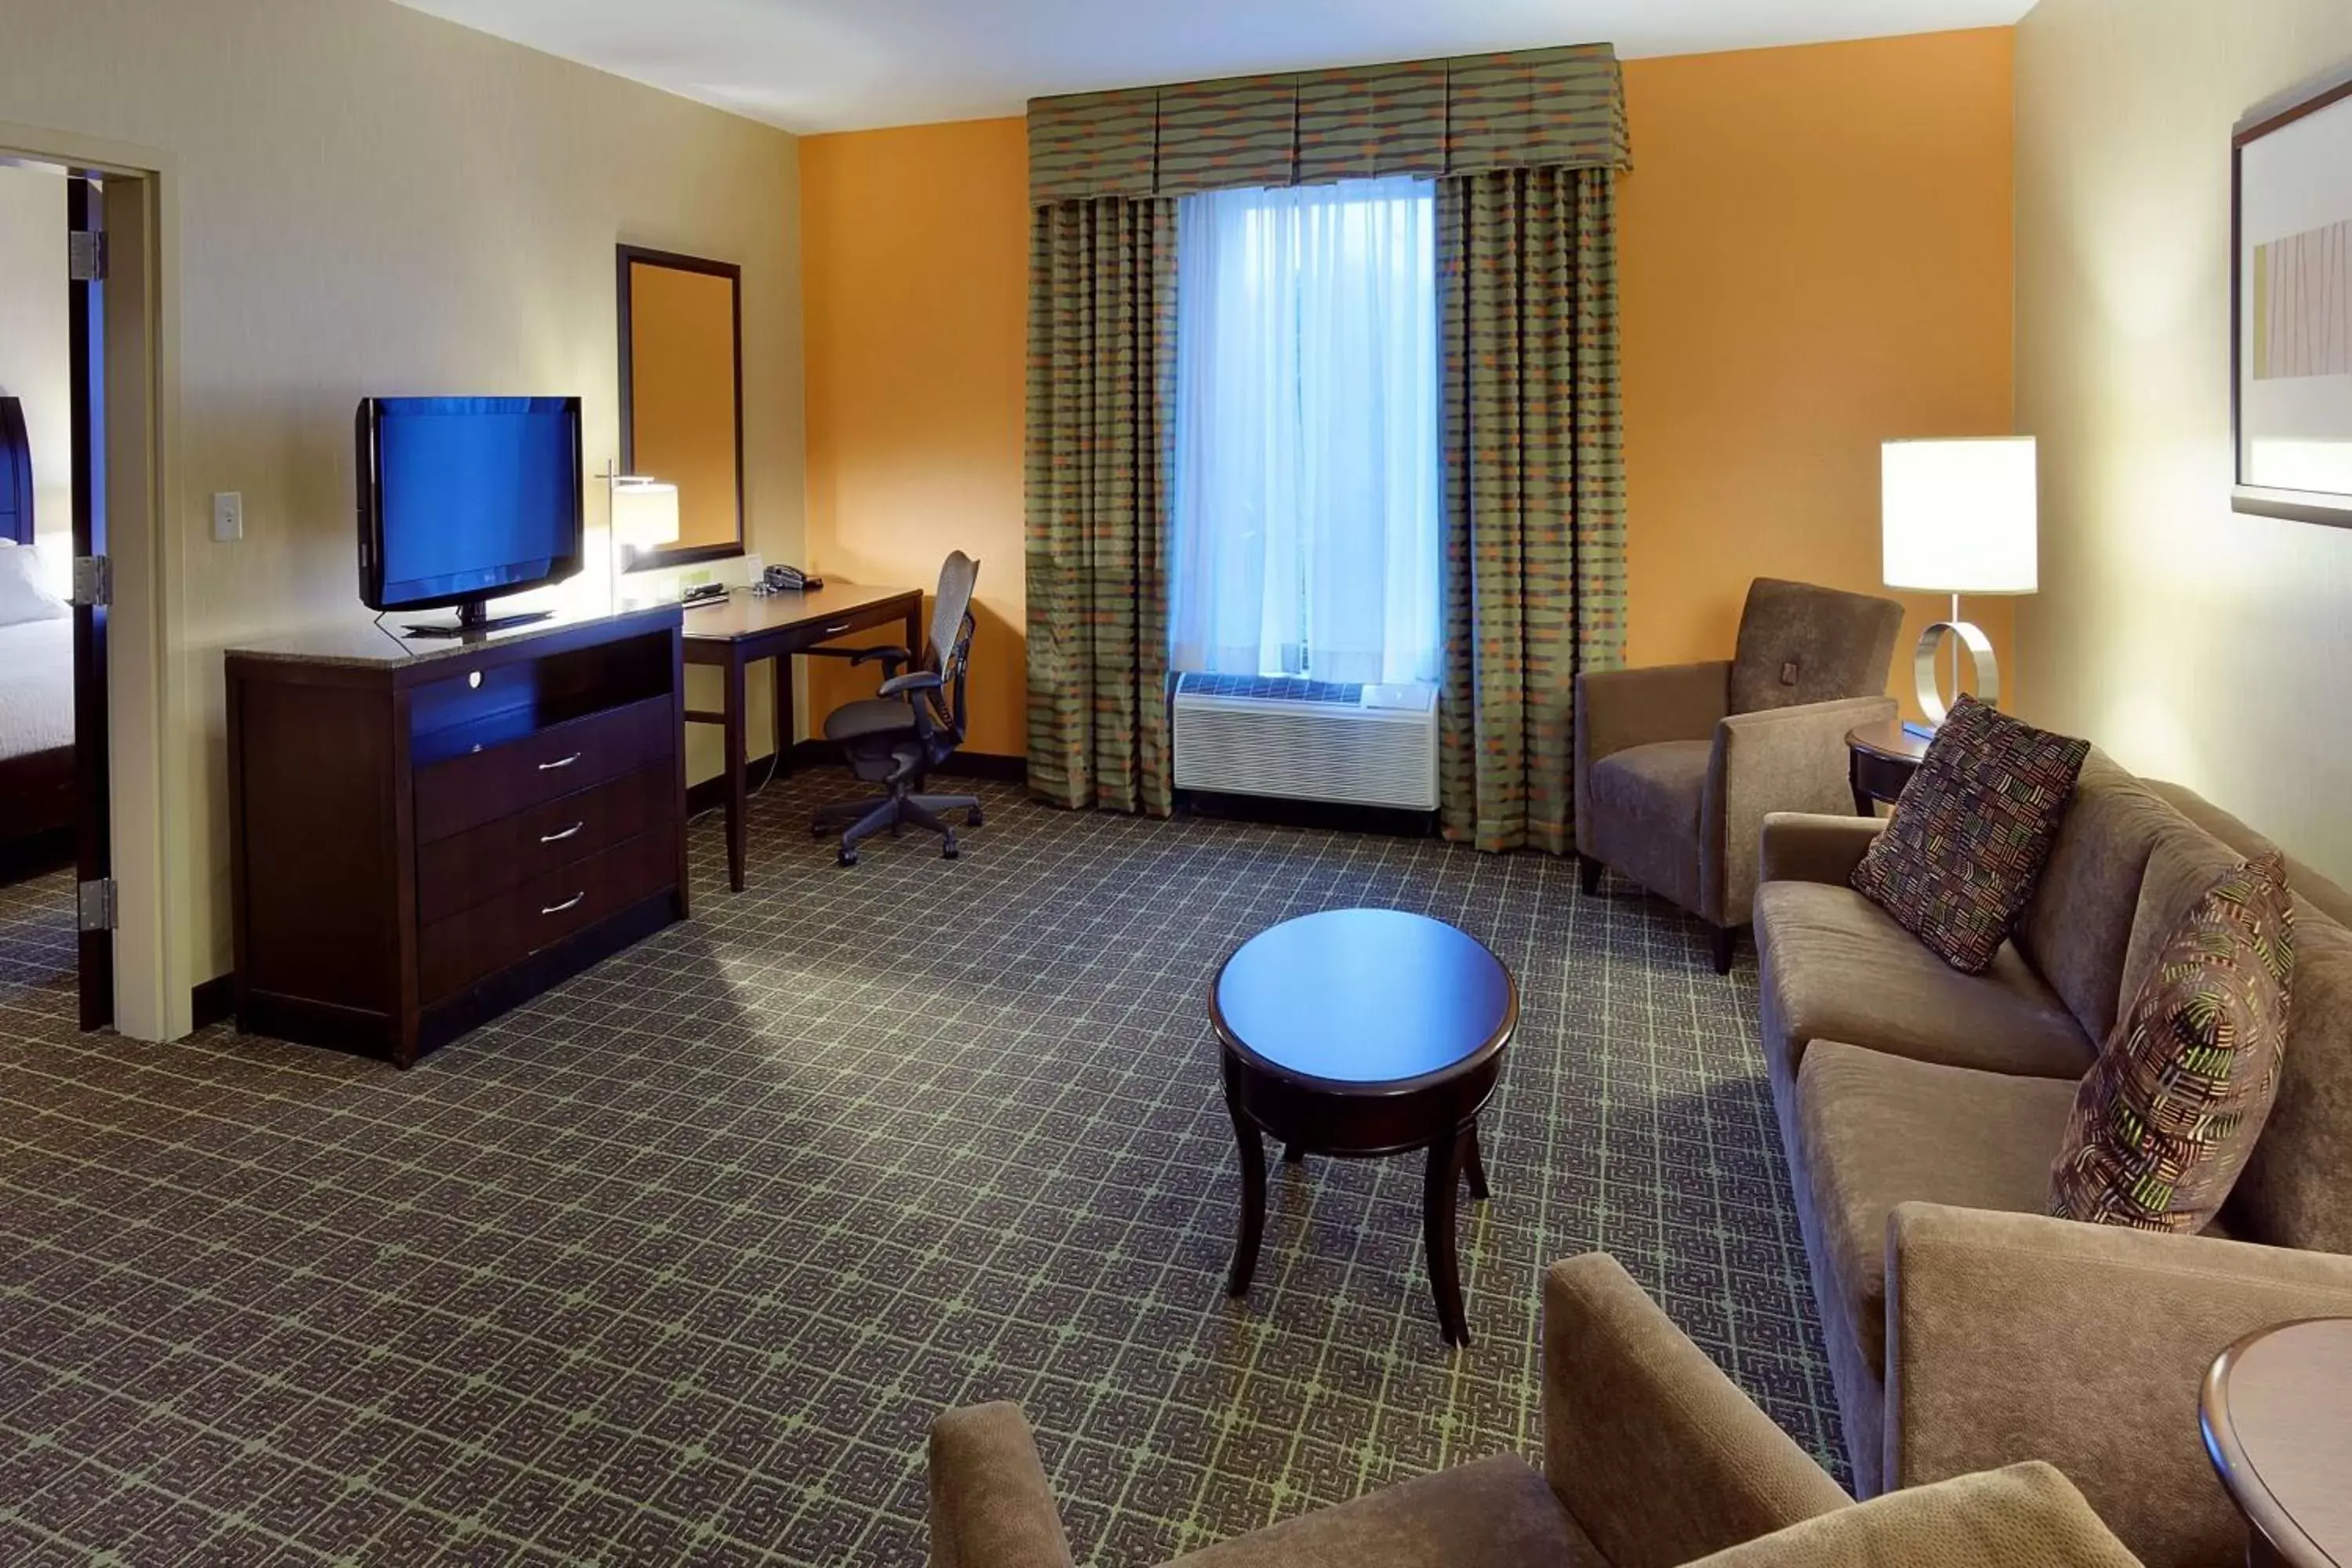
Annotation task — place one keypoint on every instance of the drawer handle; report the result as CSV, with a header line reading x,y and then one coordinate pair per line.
x,y
560,763
557,838
836,631
571,903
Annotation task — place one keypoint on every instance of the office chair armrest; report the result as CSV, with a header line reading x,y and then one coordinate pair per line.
x,y
891,658
913,680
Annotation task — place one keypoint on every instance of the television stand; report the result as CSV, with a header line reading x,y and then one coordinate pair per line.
x,y
472,620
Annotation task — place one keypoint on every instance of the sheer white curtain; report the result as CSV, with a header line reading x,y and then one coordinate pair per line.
x,y
1305,536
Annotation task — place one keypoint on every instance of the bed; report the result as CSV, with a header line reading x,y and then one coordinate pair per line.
x,y
36,685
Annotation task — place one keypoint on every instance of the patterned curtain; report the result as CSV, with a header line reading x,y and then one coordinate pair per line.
x,y
1102,376
1535,492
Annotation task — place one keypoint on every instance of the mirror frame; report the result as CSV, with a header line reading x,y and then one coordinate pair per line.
x,y
627,256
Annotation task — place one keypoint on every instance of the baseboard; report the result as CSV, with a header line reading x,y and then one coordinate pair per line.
x,y
212,1001
824,754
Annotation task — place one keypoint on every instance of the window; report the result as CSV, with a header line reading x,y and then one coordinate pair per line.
x,y
1306,533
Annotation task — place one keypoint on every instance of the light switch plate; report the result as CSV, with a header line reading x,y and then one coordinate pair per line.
x,y
228,517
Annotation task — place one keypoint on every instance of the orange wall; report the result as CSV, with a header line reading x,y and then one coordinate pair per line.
x,y
1814,257
915,259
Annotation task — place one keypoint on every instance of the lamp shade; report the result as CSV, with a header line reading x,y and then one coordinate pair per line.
x,y
644,513
1960,517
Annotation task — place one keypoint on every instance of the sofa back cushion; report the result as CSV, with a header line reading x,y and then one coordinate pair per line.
x,y
1803,643
2329,897
2078,927
2294,1191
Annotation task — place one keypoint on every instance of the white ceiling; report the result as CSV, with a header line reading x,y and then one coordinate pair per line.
x,y
847,65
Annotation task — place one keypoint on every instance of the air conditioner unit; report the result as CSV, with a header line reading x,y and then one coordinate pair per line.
x,y
1308,739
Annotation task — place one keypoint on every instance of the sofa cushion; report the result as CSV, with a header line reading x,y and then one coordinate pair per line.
x,y
1835,967
2165,1121
2329,897
1644,802
1498,1512
2026,1516
1877,1130
2078,926
1959,862
2294,1191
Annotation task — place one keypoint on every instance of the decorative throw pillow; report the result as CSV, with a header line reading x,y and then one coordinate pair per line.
x,y
2168,1115
1958,864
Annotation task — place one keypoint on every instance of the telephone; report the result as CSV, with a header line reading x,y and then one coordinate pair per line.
x,y
786,580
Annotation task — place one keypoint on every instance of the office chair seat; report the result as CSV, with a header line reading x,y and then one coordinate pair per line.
x,y
875,716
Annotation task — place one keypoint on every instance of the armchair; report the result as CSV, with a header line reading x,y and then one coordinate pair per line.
x,y
1652,1458
1677,765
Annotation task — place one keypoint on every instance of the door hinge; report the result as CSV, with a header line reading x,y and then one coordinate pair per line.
x,y
96,901
85,255
93,581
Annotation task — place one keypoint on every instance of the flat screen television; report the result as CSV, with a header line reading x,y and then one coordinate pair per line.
x,y
462,499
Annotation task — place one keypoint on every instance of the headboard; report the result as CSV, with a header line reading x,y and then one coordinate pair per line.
x,y
15,473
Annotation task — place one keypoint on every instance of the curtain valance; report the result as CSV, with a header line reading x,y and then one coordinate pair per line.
x,y
1471,114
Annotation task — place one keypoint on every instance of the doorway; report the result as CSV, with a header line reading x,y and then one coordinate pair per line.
x,y
57,891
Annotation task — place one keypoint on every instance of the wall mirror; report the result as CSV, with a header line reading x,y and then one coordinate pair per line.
x,y
682,397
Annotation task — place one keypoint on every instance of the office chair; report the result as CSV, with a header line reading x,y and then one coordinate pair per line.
x,y
912,725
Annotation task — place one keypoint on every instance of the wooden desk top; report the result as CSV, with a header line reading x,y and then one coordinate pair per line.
x,y
743,614
2277,1413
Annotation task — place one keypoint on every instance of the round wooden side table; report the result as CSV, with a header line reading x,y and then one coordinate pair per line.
x,y
1361,1033
2277,1417
1881,759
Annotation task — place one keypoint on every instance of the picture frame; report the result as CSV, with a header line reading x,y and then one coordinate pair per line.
x,y
2290,305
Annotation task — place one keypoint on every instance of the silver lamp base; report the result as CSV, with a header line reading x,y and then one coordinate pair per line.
x,y
1965,635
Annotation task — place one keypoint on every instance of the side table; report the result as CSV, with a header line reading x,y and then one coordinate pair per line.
x,y
2277,1418
1881,759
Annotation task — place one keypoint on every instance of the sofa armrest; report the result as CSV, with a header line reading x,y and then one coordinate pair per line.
x,y
2025,1514
1783,759
1804,847
2014,1336
991,1506
1617,709
1659,1457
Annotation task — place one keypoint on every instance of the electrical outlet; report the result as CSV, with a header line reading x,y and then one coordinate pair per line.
x,y
228,517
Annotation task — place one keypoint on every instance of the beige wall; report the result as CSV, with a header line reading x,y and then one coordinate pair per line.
x,y
34,355
2192,642
370,200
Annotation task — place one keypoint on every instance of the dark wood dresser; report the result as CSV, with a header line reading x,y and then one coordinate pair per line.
x,y
425,834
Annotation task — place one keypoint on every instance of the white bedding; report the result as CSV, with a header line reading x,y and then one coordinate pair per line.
x,y
36,687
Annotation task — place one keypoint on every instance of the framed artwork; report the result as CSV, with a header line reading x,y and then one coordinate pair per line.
x,y
2291,228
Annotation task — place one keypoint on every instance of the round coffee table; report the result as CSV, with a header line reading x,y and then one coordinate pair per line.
x,y
2277,1415
1360,1033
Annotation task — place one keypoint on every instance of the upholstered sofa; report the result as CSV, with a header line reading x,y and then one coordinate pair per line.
x,y
1921,1109
1652,1458
1676,765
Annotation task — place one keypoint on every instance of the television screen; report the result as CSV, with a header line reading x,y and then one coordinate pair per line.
x,y
461,498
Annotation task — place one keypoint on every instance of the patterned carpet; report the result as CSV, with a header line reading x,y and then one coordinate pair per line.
x,y
677,1264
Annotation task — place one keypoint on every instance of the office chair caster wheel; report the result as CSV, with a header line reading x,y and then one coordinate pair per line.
x,y
849,856
971,818
949,850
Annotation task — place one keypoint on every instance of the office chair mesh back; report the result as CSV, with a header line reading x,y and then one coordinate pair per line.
x,y
951,629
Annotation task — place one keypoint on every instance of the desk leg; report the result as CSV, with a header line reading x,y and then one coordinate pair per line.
x,y
781,672
738,802
914,644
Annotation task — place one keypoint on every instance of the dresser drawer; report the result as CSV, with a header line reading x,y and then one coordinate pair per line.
x,y
508,926
460,871
498,781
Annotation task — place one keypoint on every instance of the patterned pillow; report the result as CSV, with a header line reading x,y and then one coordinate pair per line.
x,y
2168,1115
1959,862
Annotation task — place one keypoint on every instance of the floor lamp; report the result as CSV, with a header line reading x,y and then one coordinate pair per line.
x,y
1959,517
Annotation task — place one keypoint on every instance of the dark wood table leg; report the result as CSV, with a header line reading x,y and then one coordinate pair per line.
x,y
1440,1177
1862,804
1472,1165
781,671
738,765
915,630
1294,1154
1253,1152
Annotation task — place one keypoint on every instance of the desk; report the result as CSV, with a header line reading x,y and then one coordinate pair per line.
x,y
746,627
